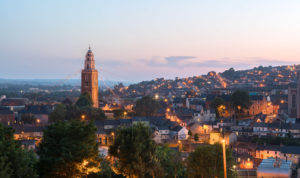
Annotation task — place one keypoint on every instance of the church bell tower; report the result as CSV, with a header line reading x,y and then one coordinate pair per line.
x,y
89,78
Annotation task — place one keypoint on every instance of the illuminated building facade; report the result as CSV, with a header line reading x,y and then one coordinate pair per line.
x,y
89,78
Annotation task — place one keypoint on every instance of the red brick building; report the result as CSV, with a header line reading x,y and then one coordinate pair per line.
x,y
89,78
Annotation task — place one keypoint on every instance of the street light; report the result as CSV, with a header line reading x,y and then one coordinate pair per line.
x,y
82,116
224,158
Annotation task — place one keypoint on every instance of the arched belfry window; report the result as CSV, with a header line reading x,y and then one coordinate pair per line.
x,y
88,66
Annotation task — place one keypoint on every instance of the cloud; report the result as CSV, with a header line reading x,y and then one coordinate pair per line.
x,y
171,61
219,63
176,59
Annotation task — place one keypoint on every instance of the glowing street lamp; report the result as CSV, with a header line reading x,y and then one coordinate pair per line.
x,y
82,116
156,96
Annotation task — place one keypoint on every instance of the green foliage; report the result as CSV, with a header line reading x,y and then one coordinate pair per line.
x,y
207,161
71,112
196,137
190,133
59,113
92,113
84,101
240,98
14,161
169,161
134,150
229,73
5,170
118,113
146,106
216,103
106,171
69,149
28,118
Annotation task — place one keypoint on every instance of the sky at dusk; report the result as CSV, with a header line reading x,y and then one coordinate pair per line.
x,y
136,40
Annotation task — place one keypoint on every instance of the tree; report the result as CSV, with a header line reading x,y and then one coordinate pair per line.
x,y
71,112
134,150
28,118
92,113
217,104
240,100
15,162
59,113
118,113
169,161
146,106
229,73
190,133
84,101
106,171
196,137
207,161
69,149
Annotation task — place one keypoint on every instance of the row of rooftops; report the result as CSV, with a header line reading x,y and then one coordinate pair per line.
x,y
281,148
14,102
278,125
160,123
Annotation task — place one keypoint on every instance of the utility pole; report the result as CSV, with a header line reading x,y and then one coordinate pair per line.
x,y
224,158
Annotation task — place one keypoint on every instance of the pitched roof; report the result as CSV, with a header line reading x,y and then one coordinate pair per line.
x,y
290,149
14,102
5,111
177,128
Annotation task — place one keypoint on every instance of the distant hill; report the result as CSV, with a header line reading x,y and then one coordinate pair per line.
x,y
54,82
258,78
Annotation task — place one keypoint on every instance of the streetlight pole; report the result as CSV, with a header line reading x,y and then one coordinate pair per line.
x,y
224,158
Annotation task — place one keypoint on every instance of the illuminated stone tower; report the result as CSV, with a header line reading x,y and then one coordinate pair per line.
x,y
89,78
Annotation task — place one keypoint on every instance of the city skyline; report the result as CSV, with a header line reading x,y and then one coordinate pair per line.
x,y
145,40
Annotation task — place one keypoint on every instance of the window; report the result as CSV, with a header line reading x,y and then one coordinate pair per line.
x,y
86,83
